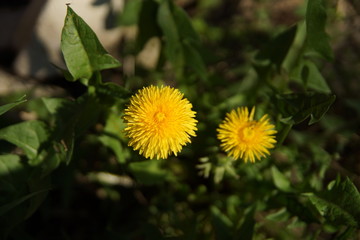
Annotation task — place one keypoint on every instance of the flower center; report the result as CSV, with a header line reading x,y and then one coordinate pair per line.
x,y
159,116
247,133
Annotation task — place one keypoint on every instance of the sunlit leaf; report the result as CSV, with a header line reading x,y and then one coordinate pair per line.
x,y
297,107
27,135
83,53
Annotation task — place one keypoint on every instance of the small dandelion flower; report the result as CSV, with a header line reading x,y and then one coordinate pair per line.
x,y
159,121
243,137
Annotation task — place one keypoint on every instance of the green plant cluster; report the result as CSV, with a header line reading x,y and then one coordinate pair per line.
x,y
70,175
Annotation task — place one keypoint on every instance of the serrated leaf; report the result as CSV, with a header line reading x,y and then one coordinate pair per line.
x,y
112,90
7,107
316,37
340,205
83,53
297,107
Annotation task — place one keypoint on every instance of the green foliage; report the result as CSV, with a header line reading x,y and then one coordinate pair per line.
x,y
83,53
7,107
340,205
71,164
297,107
317,39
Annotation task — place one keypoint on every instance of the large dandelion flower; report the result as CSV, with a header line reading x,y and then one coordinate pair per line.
x,y
159,121
243,137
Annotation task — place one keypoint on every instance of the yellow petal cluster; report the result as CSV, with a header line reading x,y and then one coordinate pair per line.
x,y
243,137
160,121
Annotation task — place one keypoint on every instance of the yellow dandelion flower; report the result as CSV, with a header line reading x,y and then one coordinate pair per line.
x,y
159,121
243,137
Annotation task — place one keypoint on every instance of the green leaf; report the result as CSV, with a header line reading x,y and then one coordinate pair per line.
x,y
246,230
83,53
183,24
149,172
147,26
27,135
309,75
339,205
222,224
317,39
276,50
173,47
7,207
130,13
13,175
112,90
7,107
194,60
297,107
280,181
112,136
21,193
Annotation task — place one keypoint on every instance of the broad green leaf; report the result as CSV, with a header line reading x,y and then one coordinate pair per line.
x,y
7,107
183,24
173,47
21,193
222,224
112,136
317,39
308,75
13,175
130,13
339,205
280,181
83,53
147,23
149,172
276,50
297,107
27,135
